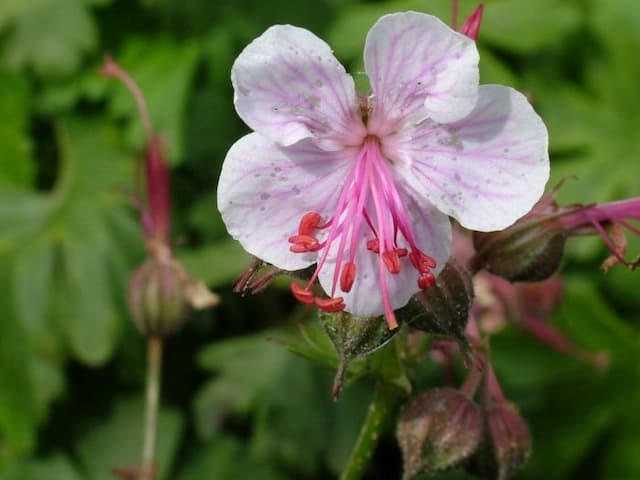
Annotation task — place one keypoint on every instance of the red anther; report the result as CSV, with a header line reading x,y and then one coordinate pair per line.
x,y
421,261
391,261
426,280
302,294
373,245
347,276
401,252
308,222
330,304
303,239
304,248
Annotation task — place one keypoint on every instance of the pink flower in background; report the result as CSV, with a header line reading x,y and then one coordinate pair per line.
x,y
363,187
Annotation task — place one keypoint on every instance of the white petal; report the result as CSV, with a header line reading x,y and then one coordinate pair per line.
x,y
432,231
265,189
289,86
418,68
486,170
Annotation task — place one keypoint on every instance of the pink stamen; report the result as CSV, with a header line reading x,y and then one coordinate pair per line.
x,y
302,294
330,305
370,185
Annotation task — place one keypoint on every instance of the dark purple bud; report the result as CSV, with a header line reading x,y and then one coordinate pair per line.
x,y
509,438
530,250
437,430
444,308
157,191
157,297
155,215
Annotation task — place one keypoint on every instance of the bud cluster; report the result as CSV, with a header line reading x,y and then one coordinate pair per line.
x,y
444,427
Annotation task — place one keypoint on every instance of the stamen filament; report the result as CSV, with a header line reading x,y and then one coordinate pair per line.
x,y
369,184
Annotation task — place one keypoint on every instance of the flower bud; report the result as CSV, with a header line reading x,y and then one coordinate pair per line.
x,y
530,250
437,430
156,297
353,337
510,438
471,26
507,444
444,308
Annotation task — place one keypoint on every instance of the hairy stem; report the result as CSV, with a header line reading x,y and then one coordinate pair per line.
x,y
154,367
381,409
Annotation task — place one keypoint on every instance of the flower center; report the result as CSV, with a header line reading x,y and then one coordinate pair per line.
x,y
369,200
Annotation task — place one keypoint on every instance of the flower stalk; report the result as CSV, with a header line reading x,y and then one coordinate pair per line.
x,y
381,409
154,369
160,290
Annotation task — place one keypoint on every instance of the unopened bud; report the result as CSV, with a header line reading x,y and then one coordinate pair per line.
x,y
353,337
444,308
509,441
437,430
530,250
471,26
157,299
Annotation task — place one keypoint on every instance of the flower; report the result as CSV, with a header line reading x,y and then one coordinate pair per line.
x,y
363,186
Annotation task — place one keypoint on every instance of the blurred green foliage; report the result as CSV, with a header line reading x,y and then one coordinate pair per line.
x,y
235,404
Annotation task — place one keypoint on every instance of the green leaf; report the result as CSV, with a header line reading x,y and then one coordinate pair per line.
x,y
246,368
52,39
16,164
284,422
621,459
592,324
310,341
59,254
564,436
538,365
116,441
217,264
10,10
55,467
29,378
85,308
32,286
226,457
524,30
94,172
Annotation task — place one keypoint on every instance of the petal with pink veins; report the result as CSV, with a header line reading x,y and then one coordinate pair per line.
x,y
486,170
264,191
432,231
418,68
289,86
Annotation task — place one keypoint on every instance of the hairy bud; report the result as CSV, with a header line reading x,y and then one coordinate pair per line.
x,y
437,430
444,308
530,250
509,438
353,337
156,297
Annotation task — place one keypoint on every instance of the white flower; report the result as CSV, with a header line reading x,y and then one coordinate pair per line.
x,y
363,188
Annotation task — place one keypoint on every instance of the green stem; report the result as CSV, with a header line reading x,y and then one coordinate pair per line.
x,y
154,367
382,407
